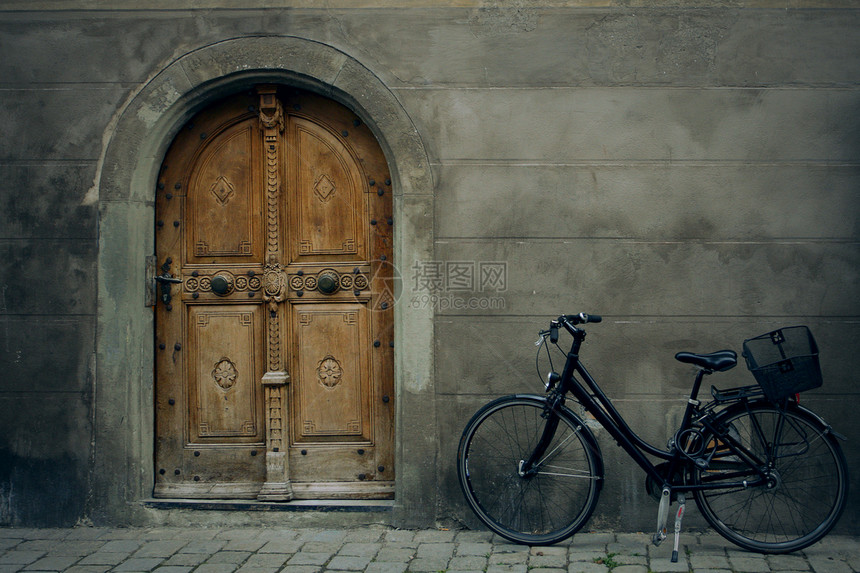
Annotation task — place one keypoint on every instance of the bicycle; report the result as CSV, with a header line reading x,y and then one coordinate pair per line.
x,y
767,474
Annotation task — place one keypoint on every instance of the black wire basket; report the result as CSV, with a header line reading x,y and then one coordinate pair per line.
x,y
784,362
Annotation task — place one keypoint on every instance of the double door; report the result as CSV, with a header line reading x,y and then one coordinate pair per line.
x,y
274,332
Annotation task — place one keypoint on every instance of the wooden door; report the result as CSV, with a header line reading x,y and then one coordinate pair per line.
x,y
274,337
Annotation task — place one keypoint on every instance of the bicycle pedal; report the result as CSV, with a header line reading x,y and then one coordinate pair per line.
x,y
658,538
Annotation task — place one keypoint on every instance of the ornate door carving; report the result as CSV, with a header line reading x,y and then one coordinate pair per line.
x,y
274,338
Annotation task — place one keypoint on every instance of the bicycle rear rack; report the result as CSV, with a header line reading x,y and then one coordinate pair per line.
x,y
736,394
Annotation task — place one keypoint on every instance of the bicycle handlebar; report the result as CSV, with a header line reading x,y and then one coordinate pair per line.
x,y
581,318
573,320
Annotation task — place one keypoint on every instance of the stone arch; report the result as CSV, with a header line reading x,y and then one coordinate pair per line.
x,y
135,144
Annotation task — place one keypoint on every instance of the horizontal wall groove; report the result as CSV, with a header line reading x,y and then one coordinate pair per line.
x,y
810,86
30,162
673,396
442,162
64,86
645,241
50,392
88,238
86,8
55,317
609,319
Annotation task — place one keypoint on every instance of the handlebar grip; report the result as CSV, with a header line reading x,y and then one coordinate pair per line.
x,y
583,318
553,333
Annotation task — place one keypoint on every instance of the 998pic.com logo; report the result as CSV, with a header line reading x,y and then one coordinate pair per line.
x,y
459,285
459,276
442,285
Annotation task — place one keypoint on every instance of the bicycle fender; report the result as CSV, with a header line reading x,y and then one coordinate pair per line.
x,y
828,429
812,416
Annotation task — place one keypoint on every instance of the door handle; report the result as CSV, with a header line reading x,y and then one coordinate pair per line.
x,y
166,280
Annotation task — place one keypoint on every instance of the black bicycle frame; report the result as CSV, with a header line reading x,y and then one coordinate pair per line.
x,y
595,401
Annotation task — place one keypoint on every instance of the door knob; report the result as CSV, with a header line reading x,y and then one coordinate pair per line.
x,y
327,283
220,285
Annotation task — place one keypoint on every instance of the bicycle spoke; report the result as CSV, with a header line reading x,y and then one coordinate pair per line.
x,y
549,454
570,473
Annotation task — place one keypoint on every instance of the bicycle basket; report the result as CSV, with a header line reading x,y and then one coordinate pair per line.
x,y
784,362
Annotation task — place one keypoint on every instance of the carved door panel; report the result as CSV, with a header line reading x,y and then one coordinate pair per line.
x,y
274,337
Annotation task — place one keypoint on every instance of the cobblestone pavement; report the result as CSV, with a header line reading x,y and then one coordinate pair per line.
x,y
377,549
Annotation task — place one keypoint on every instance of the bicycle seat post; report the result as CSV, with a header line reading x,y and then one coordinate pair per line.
x,y
693,400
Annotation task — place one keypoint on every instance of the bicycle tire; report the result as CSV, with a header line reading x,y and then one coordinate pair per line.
x,y
546,507
807,491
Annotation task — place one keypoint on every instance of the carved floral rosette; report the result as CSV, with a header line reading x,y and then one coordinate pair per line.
x,y
225,373
329,372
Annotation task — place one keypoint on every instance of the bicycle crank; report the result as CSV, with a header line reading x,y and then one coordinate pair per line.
x,y
662,516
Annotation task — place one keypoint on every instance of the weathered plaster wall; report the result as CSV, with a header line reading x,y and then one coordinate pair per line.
x,y
689,172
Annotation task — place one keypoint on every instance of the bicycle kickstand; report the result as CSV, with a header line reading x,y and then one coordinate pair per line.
x,y
662,516
682,502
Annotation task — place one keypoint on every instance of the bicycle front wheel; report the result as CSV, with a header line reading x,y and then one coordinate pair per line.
x,y
539,507
806,487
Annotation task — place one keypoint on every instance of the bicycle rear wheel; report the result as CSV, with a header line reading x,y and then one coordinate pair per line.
x,y
807,482
546,506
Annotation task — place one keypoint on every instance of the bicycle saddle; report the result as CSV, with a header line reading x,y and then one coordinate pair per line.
x,y
719,361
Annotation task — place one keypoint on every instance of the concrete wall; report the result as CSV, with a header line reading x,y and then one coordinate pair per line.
x,y
690,171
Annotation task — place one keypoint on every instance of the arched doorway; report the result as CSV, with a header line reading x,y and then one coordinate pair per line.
x,y
135,145
274,317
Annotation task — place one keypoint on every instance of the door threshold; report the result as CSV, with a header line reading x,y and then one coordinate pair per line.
x,y
324,505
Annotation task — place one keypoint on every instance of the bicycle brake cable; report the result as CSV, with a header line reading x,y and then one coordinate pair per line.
x,y
540,342
549,356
